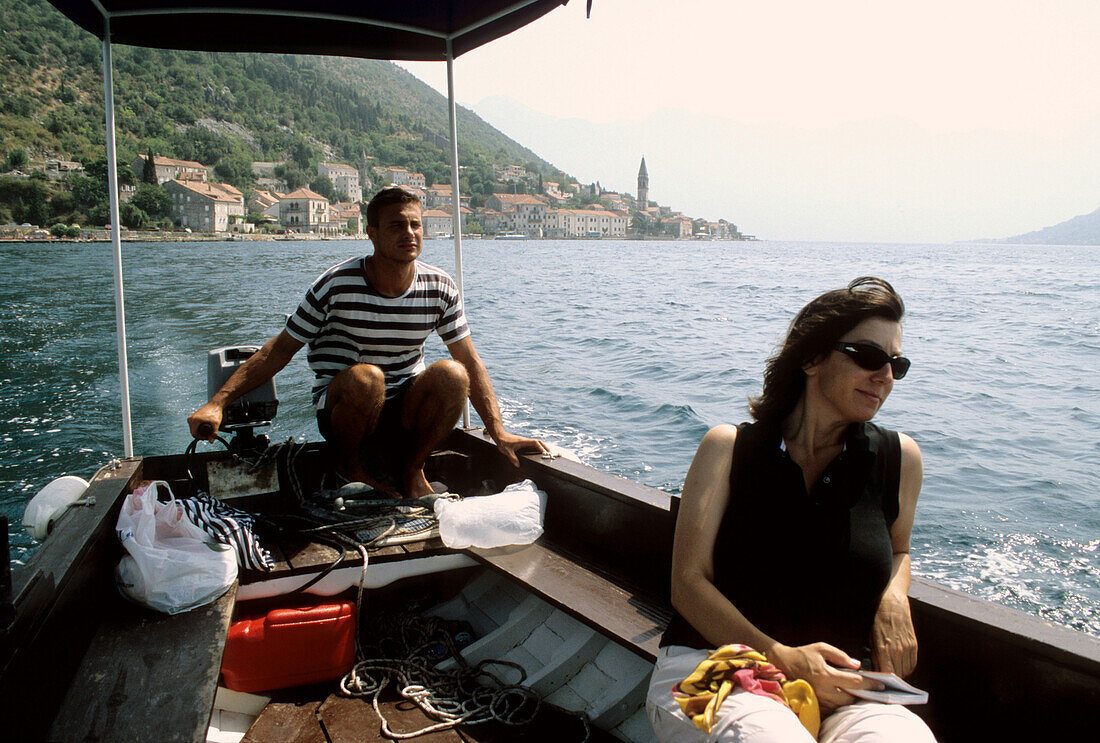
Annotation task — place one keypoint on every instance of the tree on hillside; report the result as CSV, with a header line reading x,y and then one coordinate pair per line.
x,y
323,185
149,169
302,153
201,145
152,199
132,217
17,158
25,199
235,169
88,192
293,177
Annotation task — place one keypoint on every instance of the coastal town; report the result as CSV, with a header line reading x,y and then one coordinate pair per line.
x,y
523,206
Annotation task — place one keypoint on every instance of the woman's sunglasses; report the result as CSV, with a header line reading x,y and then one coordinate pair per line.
x,y
872,358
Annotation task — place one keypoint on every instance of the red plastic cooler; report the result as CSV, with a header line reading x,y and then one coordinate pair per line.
x,y
277,648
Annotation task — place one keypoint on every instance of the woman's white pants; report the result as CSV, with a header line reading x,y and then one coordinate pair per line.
x,y
751,718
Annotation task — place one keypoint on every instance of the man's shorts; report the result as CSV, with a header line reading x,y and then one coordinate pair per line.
x,y
389,445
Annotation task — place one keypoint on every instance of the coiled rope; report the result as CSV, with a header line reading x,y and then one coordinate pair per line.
x,y
462,695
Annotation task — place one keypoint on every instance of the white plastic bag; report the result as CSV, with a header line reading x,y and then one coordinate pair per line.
x,y
513,516
172,566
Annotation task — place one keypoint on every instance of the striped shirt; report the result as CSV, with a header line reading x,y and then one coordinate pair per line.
x,y
345,321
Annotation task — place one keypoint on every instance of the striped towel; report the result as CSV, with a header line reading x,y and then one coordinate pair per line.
x,y
230,526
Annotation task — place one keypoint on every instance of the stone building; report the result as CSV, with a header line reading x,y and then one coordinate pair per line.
x,y
169,169
202,206
306,211
523,213
344,178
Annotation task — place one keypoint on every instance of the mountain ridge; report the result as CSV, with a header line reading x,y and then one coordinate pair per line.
x,y
1083,229
51,105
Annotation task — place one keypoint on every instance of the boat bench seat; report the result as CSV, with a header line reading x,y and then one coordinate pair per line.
x,y
634,621
147,675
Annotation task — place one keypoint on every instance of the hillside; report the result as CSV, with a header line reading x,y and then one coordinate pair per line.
x,y
1082,230
226,110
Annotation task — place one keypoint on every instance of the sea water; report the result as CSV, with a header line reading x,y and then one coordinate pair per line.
x,y
625,352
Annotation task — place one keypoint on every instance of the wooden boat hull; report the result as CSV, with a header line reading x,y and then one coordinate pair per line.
x,y
603,563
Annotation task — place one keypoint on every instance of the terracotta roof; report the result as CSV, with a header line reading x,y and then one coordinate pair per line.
x,y
304,193
343,212
263,197
158,160
519,198
215,191
588,212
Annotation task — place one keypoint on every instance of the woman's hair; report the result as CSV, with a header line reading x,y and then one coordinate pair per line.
x,y
812,335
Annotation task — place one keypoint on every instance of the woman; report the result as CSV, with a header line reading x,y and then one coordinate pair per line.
x,y
793,534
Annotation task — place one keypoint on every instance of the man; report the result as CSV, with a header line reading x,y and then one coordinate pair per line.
x,y
365,321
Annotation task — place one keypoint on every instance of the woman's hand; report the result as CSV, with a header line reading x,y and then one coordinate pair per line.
x,y
824,667
893,641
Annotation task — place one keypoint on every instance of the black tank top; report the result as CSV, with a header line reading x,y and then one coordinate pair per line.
x,y
806,567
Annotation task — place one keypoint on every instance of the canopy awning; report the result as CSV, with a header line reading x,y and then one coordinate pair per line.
x,y
376,29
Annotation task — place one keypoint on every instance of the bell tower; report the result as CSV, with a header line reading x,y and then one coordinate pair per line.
x,y
643,187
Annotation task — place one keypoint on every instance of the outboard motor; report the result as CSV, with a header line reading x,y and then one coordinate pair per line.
x,y
252,410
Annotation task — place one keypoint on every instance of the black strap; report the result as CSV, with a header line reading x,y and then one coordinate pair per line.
x,y
890,451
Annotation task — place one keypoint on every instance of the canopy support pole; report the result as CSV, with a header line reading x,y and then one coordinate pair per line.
x,y
456,199
116,238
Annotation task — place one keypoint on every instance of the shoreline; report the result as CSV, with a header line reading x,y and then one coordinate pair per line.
x,y
131,237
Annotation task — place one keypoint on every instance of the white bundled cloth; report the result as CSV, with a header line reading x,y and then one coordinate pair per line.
x,y
172,566
513,516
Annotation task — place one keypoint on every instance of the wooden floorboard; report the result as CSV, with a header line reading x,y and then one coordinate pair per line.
x,y
634,621
340,719
146,671
287,722
353,720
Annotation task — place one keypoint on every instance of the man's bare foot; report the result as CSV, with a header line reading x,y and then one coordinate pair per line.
x,y
416,485
360,475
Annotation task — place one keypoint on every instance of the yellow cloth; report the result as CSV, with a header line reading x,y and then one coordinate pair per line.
x,y
702,692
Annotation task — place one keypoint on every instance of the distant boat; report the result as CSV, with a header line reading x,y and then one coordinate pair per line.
x,y
511,236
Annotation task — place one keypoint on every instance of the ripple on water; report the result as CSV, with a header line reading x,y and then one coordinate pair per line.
x,y
624,352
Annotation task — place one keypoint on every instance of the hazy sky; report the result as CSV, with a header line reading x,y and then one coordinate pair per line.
x,y
1004,95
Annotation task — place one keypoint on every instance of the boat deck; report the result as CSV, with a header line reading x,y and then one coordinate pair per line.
x,y
585,600
339,719
521,617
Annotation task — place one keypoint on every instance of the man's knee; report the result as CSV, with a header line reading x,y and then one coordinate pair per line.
x,y
440,390
359,383
447,375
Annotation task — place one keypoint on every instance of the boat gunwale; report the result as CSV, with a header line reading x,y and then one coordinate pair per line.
x,y
1060,644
